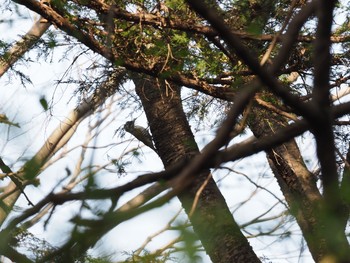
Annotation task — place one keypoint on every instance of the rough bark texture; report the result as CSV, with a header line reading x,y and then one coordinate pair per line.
x,y
173,138
298,186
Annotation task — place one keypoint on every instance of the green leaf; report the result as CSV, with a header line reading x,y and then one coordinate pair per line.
x,y
31,169
44,103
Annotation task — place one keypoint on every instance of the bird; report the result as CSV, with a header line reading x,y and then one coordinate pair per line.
x,y
140,133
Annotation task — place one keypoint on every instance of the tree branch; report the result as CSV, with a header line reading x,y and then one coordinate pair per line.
x,y
26,43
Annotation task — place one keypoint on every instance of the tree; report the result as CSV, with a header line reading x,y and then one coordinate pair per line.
x,y
271,67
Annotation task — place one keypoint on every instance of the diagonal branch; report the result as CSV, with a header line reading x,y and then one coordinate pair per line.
x,y
23,45
186,176
321,98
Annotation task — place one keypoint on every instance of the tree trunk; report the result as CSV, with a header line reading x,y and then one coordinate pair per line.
x,y
212,221
299,188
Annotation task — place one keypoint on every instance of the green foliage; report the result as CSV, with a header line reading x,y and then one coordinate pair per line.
x,y
254,28
51,42
120,165
147,257
190,243
3,46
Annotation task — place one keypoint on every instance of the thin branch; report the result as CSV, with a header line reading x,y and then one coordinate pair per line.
x,y
143,197
273,108
15,180
198,193
257,185
150,238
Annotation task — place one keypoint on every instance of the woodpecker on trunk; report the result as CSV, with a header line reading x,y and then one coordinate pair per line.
x,y
140,133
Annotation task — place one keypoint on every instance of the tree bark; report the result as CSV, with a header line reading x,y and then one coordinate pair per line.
x,y
212,220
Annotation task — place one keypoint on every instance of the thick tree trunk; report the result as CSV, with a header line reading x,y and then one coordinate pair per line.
x,y
299,188
173,138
